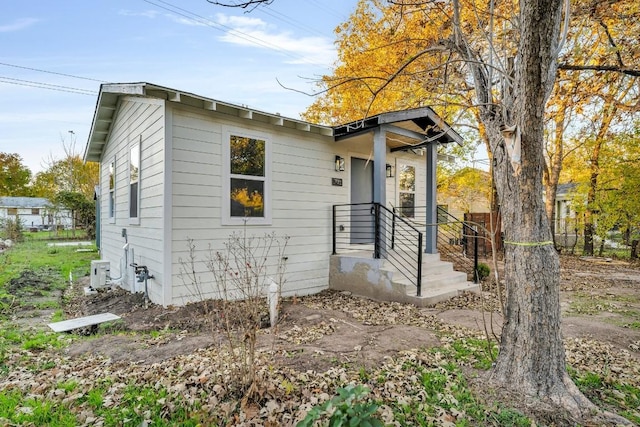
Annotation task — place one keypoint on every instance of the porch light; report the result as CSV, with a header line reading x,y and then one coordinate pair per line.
x,y
389,171
339,164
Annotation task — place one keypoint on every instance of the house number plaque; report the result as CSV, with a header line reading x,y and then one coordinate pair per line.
x,y
337,182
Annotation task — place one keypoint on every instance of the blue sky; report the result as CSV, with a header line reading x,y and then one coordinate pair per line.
x,y
55,54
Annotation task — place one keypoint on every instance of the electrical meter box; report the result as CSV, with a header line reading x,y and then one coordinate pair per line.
x,y
99,272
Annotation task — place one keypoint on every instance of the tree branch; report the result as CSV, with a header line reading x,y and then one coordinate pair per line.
x,y
611,68
251,4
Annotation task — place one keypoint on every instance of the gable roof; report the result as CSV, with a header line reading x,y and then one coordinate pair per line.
x,y
408,126
110,93
24,202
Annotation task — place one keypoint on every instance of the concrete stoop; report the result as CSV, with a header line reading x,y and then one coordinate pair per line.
x,y
363,275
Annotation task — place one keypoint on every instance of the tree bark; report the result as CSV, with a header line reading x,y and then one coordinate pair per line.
x,y
532,358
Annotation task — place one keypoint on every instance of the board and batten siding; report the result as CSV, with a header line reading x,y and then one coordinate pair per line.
x,y
301,196
138,120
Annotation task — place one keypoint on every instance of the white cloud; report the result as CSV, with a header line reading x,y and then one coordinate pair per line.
x,y
151,14
247,31
187,21
18,25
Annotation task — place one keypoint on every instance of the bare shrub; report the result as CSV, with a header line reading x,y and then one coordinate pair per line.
x,y
242,273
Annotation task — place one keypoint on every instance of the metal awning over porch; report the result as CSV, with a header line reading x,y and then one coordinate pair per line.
x,y
407,130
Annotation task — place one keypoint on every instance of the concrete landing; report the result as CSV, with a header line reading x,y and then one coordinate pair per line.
x,y
81,322
377,279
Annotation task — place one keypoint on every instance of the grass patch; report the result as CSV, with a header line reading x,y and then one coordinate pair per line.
x,y
591,305
33,275
48,235
618,397
37,256
31,339
21,410
475,352
58,316
444,396
135,406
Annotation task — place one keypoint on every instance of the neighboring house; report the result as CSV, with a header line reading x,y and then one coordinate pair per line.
x,y
34,212
177,166
565,221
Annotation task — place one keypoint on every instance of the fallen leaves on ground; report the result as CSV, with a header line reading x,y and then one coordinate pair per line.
x,y
204,379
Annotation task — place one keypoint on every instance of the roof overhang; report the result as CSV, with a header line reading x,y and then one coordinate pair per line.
x,y
110,94
411,129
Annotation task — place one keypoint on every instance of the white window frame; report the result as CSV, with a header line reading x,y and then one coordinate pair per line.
x,y
135,219
111,203
227,219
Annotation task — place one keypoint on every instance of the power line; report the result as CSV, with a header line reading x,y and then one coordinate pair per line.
x,y
40,85
328,10
52,72
288,20
252,39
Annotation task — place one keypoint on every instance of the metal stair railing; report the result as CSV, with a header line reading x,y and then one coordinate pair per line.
x,y
371,226
456,239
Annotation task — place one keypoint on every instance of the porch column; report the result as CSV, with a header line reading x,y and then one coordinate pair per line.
x,y
379,166
431,232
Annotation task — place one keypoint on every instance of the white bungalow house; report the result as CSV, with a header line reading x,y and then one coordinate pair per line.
x,y
176,166
34,213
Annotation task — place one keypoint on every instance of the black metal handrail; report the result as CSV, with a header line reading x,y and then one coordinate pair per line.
x,y
360,225
455,238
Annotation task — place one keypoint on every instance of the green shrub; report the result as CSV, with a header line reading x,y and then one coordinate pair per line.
x,y
348,408
483,271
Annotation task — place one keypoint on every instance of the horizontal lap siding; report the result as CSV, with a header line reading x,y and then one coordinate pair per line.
x,y
136,118
301,199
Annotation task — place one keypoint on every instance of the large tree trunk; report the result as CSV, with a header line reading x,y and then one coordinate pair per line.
x,y
532,359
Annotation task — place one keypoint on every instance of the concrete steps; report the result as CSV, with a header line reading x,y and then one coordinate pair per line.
x,y
379,279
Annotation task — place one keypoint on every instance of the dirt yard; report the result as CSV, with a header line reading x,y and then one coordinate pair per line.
x,y
320,341
600,300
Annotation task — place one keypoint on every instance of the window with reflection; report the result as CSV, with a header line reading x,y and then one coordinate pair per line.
x,y
134,178
407,190
112,189
247,175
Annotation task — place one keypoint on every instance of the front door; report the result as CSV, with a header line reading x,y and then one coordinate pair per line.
x,y
362,224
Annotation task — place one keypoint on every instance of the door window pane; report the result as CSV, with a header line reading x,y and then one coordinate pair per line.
x,y
406,190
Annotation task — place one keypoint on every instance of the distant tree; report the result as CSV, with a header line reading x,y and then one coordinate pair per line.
x,y
468,187
82,210
68,174
14,176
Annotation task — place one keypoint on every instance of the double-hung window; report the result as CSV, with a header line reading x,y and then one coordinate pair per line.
x,y
246,179
134,182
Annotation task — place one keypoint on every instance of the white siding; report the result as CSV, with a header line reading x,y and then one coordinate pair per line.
x,y
301,199
137,120
181,196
